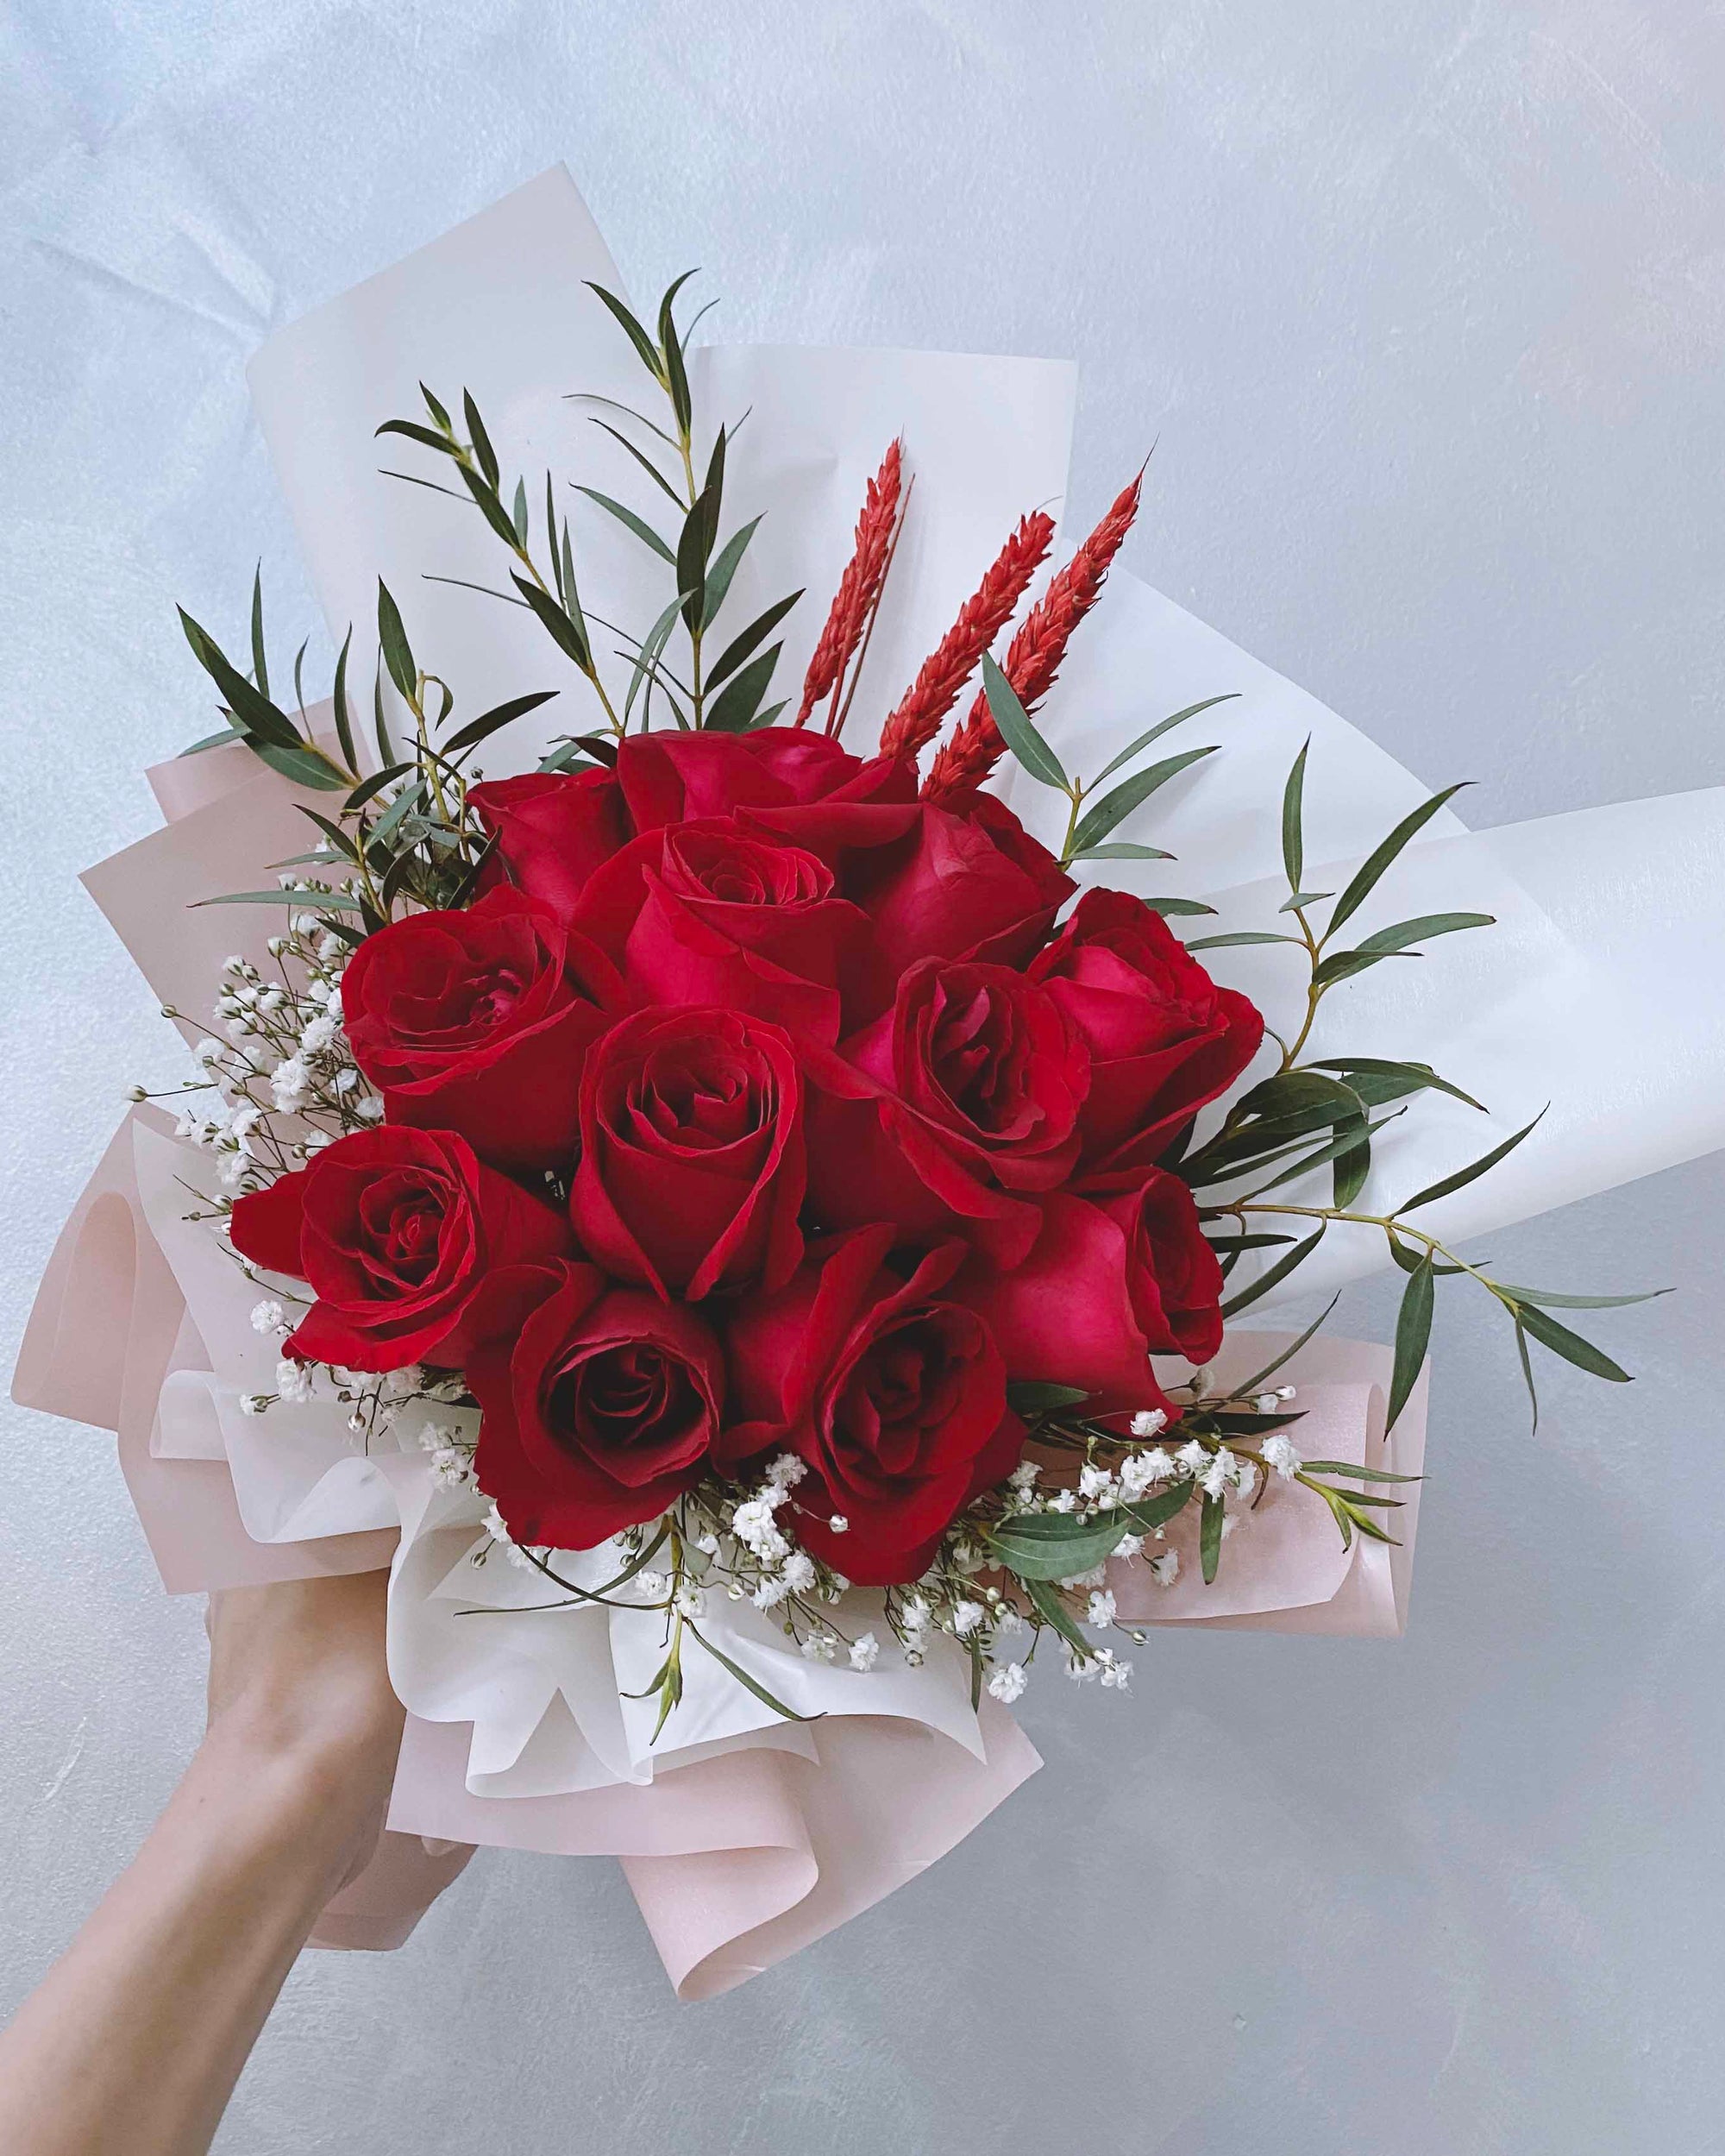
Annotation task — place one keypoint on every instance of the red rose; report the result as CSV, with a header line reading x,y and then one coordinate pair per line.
x,y
673,778
713,912
479,1021
395,1230
894,1395
553,829
1066,1316
1164,1037
691,1167
1173,1276
949,1109
969,882
600,1403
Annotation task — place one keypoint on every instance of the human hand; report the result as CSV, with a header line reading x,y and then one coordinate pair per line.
x,y
299,1690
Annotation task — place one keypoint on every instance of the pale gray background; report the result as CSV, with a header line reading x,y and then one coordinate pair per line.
x,y
1426,306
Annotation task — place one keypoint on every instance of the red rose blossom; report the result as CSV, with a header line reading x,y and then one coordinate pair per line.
x,y
479,1021
894,1394
965,880
600,1404
394,1230
716,912
1065,1315
670,778
950,1108
1163,1039
1173,1276
553,829
693,1168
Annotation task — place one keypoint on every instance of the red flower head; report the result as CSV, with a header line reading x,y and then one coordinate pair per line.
x,y
1164,1037
553,829
395,1230
691,1168
894,1395
601,1404
717,911
941,1114
479,1021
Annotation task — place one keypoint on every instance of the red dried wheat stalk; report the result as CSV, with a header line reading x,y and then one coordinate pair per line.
x,y
859,588
939,686
1036,652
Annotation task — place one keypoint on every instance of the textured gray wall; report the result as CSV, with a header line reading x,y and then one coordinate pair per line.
x,y
1426,305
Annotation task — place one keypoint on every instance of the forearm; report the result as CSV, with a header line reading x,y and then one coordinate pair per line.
x,y
133,2043
135,2039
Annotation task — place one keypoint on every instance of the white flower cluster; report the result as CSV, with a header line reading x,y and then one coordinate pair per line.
x,y
282,1084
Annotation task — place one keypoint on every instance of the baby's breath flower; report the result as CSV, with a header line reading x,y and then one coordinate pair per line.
x,y
1008,1683
1149,1421
865,1651
1280,1452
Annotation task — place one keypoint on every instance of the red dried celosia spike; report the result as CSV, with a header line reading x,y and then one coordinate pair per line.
x,y
1034,657
860,585
939,686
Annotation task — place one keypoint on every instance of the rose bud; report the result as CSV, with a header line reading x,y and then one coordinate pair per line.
x,y
1066,1316
951,1108
893,1393
1163,1039
553,829
714,912
479,1021
600,1404
691,1168
394,1229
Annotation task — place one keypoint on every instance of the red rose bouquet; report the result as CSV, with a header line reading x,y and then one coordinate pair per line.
x,y
798,1191
733,1207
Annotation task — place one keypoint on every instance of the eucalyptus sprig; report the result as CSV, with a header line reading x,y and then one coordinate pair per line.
x,y
1087,836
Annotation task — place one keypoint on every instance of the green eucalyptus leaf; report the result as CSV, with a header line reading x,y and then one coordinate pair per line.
x,y
1570,1345
398,655
1419,1076
1018,731
481,441
737,703
1155,733
645,349
489,722
1046,1602
1127,850
1463,1177
631,522
642,459
724,569
260,662
742,643
1211,1515
1413,1336
1292,829
1366,878
563,631
414,432
1273,1275
1113,807
1053,1545
1552,1300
